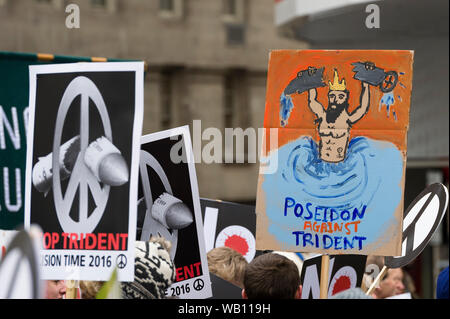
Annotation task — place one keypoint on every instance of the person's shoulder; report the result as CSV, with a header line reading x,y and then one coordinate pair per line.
x,y
443,275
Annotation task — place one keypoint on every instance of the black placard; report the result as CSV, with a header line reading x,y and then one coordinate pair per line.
x,y
424,205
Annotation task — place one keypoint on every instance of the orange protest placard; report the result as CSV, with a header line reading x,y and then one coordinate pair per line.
x,y
342,118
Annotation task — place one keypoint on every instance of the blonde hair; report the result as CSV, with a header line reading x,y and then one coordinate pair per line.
x,y
227,264
89,289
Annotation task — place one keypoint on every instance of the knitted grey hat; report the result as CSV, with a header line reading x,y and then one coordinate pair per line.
x,y
154,272
352,293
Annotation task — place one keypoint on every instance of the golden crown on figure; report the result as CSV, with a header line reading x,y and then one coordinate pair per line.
x,y
336,85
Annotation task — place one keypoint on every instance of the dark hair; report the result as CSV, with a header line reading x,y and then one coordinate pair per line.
x,y
271,276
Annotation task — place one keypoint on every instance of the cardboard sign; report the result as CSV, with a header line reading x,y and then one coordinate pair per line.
x,y
82,167
20,273
346,271
229,224
169,206
342,119
420,221
14,99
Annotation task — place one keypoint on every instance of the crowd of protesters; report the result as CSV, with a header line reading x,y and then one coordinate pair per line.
x,y
270,275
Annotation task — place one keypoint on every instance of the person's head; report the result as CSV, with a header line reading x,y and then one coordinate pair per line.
x,y
374,264
293,257
55,289
89,289
271,276
154,271
227,264
391,284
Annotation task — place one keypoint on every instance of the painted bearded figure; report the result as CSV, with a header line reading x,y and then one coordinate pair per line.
x,y
332,172
335,121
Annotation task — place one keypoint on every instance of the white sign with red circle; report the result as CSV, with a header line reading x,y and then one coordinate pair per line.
x,y
239,239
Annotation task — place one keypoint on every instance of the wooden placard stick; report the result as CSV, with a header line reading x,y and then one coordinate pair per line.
x,y
324,276
376,281
71,290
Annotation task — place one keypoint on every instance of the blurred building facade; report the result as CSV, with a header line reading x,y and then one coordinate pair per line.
x,y
207,60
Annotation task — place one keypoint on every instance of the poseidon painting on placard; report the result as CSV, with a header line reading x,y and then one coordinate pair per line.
x,y
342,118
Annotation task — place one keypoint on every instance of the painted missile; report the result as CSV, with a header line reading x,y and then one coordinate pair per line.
x,y
106,162
305,80
369,73
171,212
42,170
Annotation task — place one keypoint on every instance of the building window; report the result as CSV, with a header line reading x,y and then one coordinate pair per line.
x,y
56,3
108,5
98,3
171,9
233,11
235,34
239,142
166,5
236,98
228,100
229,7
166,99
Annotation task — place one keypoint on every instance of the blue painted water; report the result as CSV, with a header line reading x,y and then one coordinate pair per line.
x,y
286,107
368,180
388,100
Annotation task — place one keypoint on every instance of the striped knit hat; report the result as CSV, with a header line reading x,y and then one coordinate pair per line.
x,y
154,272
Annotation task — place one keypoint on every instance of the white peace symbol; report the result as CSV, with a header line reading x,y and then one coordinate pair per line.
x,y
81,175
152,226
